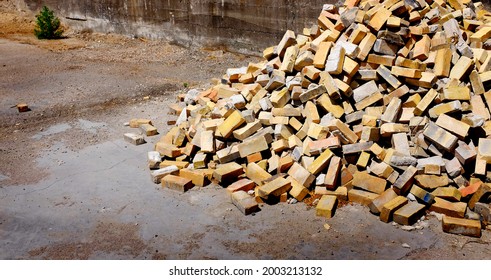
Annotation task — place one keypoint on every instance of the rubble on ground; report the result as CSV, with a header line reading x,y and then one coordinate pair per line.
x,y
382,104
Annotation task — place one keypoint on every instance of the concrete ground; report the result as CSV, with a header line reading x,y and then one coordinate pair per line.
x,y
71,188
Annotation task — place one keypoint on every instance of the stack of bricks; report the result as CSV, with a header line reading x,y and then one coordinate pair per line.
x,y
384,104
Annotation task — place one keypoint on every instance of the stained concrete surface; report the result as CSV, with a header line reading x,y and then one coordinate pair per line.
x,y
99,202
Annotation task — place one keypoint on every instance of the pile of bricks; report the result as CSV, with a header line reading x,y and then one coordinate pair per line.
x,y
382,104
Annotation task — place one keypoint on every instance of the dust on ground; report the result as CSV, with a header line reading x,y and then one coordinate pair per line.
x,y
86,75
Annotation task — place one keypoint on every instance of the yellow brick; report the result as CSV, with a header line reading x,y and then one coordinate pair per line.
x,y
390,207
321,54
461,67
274,188
461,226
321,162
234,121
326,206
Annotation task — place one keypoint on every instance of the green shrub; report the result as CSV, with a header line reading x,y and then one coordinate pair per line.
x,y
47,25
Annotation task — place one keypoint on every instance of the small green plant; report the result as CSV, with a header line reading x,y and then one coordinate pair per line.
x,y
185,85
47,25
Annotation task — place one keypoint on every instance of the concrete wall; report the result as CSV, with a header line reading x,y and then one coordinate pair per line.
x,y
235,24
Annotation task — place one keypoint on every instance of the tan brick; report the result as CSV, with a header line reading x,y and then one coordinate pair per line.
x,y
198,177
382,169
440,137
317,147
482,35
289,59
365,91
332,176
312,93
327,104
452,209
444,108
335,60
363,160
247,130
379,19
388,129
228,154
321,162
179,164
304,59
387,75
326,206
133,138
244,202
340,192
476,82
404,182
400,143
409,213
232,122
167,150
177,183
148,129
253,145
361,197
158,174
378,203
368,182
256,173
298,191
456,93
366,46
288,40
369,101
457,127
280,98
350,149
241,185
465,153
461,226
301,175
388,209
461,67
483,192
317,131
386,60
228,173
422,195
321,54
405,72
422,48
274,188
447,193
391,113
135,123
344,129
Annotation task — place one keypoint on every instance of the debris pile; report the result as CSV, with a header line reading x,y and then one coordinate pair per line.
x,y
382,104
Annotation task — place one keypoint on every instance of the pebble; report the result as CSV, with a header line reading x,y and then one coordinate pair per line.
x,y
408,228
405,245
437,215
327,226
411,197
251,192
293,201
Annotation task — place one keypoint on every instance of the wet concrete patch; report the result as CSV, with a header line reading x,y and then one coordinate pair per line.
x,y
54,129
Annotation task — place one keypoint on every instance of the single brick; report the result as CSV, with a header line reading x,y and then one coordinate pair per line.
x,y
244,202
368,182
326,206
177,183
409,213
461,226
275,188
452,209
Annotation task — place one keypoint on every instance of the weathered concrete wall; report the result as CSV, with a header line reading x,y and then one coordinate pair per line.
x,y
236,24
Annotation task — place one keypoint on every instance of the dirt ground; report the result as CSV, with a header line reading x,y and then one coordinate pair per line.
x,y
71,188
